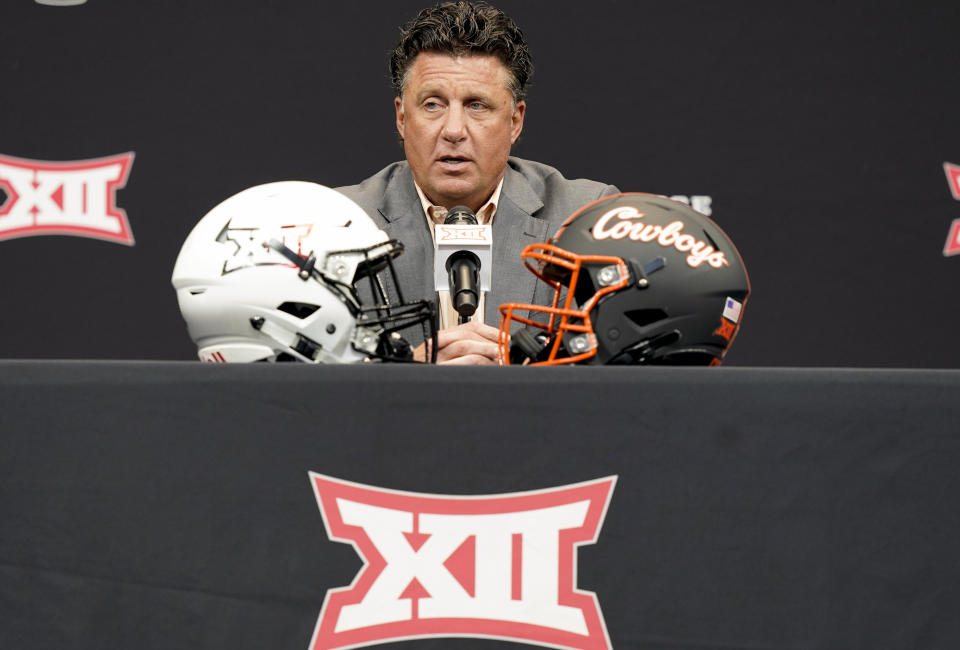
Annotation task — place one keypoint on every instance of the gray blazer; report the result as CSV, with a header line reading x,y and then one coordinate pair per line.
x,y
536,199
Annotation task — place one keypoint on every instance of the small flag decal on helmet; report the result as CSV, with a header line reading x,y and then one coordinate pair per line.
x,y
731,310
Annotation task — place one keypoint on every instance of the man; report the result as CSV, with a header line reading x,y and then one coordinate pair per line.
x,y
460,73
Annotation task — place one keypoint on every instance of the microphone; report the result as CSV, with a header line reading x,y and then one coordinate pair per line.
x,y
463,259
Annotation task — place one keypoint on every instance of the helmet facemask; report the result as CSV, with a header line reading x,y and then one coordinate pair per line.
x,y
379,321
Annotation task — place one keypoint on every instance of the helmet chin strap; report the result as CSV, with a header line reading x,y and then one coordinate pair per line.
x,y
526,345
292,343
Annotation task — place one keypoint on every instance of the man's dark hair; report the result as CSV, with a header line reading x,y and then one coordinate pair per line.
x,y
463,28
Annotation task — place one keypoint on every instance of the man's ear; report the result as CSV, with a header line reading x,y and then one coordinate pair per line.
x,y
398,107
517,120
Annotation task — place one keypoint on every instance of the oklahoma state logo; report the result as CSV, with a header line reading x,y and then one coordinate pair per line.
x,y
500,566
64,198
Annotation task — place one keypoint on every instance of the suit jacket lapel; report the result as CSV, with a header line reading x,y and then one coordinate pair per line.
x,y
403,219
514,227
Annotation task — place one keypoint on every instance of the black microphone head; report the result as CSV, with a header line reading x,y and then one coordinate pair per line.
x,y
463,256
460,215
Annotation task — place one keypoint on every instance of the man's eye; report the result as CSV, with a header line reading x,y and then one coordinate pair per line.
x,y
477,106
432,106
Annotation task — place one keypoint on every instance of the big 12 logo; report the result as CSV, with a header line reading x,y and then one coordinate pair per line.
x,y
497,566
64,198
952,246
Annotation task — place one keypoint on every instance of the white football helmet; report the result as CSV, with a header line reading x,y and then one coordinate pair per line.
x,y
289,271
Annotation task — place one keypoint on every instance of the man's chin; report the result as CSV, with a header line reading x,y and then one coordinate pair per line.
x,y
450,194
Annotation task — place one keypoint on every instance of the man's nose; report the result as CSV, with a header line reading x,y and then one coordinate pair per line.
x,y
455,124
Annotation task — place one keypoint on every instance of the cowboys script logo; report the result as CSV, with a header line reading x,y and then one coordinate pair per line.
x,y
666,236
501,566
64,198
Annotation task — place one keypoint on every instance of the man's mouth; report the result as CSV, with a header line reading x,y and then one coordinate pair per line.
x,y
453,160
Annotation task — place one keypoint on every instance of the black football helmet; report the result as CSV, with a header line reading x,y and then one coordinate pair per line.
x,y
637,279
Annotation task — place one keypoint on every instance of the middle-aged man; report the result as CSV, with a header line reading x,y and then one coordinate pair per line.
x,y
460,73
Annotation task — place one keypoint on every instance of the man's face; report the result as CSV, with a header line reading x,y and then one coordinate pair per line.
x,y
458,122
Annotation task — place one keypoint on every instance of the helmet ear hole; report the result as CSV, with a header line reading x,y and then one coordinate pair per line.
x,y
298,309
645,317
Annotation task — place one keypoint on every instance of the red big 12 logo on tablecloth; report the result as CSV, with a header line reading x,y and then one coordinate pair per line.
x,y
64,198
495,566
952,247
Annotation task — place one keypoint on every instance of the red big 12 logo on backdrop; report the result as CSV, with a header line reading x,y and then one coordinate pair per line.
x,y
498,566
952,247
64,198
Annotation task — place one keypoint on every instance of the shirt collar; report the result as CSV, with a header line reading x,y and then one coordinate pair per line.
x,y
436,213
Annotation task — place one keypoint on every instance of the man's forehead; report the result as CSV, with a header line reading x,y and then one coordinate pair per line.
x,y
440,69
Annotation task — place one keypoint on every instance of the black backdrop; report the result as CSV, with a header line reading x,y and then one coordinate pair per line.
x,y
818,130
